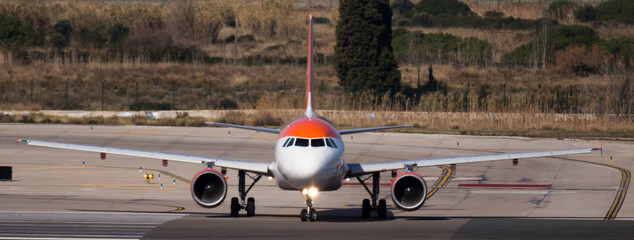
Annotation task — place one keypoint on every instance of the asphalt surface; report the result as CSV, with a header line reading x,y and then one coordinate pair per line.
x,y
53,195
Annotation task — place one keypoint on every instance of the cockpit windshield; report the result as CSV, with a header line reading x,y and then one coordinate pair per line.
x,y
315,142
301,142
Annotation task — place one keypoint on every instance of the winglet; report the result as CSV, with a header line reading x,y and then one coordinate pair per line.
x,y
310,111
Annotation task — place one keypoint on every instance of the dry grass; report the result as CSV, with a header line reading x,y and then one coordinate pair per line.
x,y
610,32
527,90
496,124
524,10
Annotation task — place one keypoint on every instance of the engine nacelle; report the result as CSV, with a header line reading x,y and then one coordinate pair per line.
x,y
209,188
409,191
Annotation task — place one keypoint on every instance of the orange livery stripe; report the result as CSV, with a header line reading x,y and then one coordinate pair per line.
x,y
309,128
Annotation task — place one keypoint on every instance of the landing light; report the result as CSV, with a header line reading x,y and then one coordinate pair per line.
x,y
312,192
270,178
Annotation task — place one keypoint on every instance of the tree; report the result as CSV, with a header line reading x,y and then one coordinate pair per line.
x,y
444,7
363,53
403,7
117,34
60,37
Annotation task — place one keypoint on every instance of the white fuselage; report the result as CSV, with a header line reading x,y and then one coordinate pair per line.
x,y
300,167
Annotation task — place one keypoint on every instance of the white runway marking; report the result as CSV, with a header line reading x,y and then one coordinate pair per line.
x,y
510,192
79,225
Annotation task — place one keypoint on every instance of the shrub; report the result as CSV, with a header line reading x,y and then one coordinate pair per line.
x,y
519,56
587,13
117,35
443,7
93,37
61,34
476,50
427,46
561,9
228,104
13,31
493,14
622,48
561,36
619,10
321,20
580,60
423,20
403,7
403,22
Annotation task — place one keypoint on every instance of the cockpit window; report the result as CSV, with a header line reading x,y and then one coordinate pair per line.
x,y
318,142
301,142
334,145
289,142
328,143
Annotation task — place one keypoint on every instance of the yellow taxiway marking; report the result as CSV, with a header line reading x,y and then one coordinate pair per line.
x,y
620,194
66,167
143,131
396,143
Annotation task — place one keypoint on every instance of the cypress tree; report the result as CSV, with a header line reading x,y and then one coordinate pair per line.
x,y
363,54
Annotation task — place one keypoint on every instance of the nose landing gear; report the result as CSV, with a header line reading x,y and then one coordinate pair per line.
x,y
309,213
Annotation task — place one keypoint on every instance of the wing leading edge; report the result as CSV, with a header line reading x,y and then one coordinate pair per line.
x,y
358,130
251,166
357,169
261,129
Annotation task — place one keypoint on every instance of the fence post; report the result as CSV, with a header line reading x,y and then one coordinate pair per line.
x,y
136,99
31,91
173,93
209,106
102,86
67,102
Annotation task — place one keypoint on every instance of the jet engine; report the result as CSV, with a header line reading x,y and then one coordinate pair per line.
x,y
209,188
409,191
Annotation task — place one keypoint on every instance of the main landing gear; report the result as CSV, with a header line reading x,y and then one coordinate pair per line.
x,y
236,204
367,207
309,213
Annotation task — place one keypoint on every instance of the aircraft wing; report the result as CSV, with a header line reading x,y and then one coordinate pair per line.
x,y
357,169
261,129
358,130
251,166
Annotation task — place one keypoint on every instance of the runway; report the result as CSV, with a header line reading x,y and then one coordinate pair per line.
x,y
54,196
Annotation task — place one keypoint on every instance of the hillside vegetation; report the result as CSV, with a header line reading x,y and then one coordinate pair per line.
x,y
454,56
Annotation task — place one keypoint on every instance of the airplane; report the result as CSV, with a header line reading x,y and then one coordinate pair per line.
x,y
309,159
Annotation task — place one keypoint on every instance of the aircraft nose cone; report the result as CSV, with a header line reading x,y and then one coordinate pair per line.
x,y
307,171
